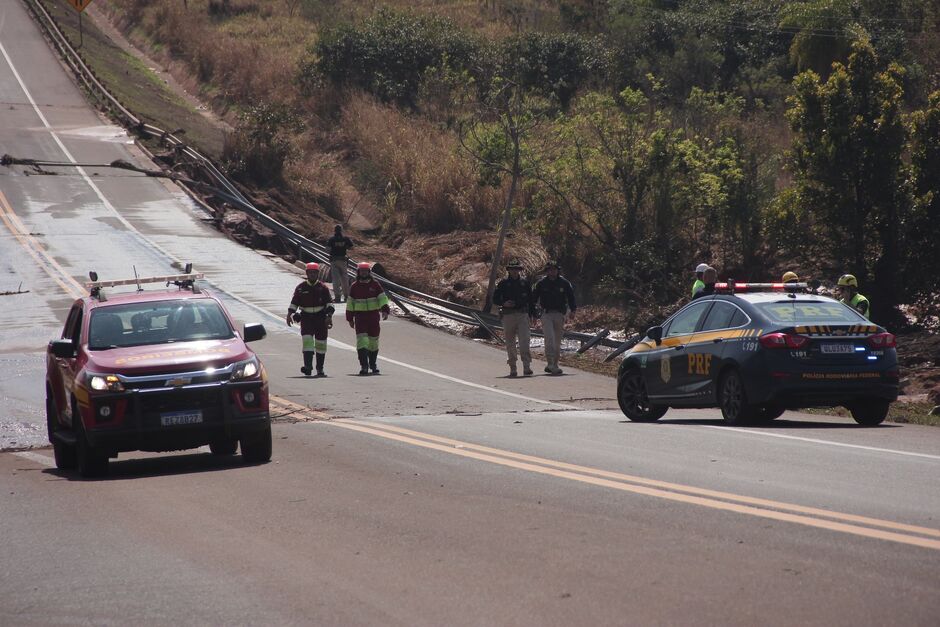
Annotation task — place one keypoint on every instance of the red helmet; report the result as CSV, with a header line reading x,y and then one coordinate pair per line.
x,y
364,265
313,266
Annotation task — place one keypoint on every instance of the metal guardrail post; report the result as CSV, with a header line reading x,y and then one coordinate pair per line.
x,y
488,329
594,341
633,341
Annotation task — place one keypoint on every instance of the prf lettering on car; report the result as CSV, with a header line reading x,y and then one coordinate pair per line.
x,y
700,363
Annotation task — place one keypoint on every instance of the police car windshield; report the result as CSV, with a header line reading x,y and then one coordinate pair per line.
x,y
809,312
161,322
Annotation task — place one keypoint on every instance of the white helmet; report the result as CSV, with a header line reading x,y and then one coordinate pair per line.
x,y
702,267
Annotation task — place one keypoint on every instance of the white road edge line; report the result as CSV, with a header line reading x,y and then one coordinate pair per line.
x,y
277,317
816,441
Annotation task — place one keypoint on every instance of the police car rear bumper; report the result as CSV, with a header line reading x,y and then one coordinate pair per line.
x,y
794,391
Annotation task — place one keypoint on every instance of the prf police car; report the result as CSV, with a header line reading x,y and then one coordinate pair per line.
x,y
757,350
161,370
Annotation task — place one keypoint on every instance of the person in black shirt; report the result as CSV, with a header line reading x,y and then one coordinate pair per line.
x,y
339,245
516,307
555,295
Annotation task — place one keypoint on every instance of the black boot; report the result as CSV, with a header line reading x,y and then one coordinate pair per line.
x,y
321,357
373,356
363,361
308,363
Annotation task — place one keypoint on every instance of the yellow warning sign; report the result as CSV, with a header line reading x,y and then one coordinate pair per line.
x,y
79,5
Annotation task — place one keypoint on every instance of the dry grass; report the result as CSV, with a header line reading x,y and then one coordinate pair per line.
x,y
428,184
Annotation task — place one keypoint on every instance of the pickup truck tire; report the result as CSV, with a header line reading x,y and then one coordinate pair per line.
x,y
91,461
226,446
256,447
64,453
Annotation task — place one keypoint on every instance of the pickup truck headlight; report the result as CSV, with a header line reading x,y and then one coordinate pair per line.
x,y
105,383
248,369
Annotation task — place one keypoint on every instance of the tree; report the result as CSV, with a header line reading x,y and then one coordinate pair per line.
x,y
846,157
495,135
923,245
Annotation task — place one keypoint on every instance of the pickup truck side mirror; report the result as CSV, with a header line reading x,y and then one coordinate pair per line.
x,y
254,331
62,348
655,334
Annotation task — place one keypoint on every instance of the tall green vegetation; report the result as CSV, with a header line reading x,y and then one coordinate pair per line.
x,y
661,141
848,139
645,136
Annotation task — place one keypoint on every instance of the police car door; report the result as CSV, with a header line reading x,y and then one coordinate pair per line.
x,y
666,363
704,351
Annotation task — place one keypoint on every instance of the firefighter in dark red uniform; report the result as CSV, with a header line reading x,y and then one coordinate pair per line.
x,y
311,307
365,302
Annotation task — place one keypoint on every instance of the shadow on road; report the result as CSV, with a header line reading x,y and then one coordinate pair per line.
x,y
775,424
159,466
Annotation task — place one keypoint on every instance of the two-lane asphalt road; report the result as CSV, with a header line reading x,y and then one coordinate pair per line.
x,y
440,492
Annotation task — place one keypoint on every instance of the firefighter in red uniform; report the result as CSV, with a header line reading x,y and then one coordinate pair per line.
x,y
312,307
365,302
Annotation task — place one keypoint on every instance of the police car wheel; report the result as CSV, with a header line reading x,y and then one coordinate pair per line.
x,y
733,401
870,413
633,401
771,412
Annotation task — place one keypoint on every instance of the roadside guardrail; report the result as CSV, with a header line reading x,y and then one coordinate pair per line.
x,y
222,188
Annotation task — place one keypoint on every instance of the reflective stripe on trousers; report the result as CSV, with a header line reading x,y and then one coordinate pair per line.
x,y
311,343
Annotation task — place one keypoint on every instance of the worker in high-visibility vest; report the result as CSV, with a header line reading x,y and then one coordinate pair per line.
x,y
699,273
366,302
848,289
311,307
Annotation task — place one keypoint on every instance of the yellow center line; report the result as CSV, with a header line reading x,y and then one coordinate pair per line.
x,y
663,484
689,494
45,261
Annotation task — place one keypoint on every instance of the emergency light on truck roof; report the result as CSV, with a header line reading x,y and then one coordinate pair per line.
x,y
183,281
732,287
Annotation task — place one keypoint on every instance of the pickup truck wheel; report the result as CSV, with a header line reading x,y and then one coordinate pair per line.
x,y
870,413
225,446
64,453
633,401
733,400
91,461
256,447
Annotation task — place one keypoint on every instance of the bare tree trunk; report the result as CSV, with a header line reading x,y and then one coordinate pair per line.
x,y
503,227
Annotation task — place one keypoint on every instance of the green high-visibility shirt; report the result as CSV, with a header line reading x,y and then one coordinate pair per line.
x,y
699,284
860,304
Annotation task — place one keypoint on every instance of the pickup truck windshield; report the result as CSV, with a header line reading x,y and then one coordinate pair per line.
x,y
162,322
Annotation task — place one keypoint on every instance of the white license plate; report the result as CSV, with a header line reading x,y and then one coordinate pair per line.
x,y
181,418
838,349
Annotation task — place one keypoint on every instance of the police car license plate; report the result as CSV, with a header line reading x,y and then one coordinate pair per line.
x,y
838,349
181,418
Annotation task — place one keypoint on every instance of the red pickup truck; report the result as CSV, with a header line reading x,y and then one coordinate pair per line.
x,y
157,370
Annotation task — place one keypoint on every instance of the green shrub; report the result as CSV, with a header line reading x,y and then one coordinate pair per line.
x,y
387,55
262,144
